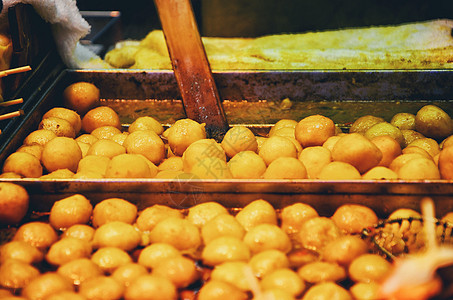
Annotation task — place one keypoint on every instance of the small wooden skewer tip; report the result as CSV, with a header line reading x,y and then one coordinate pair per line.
x,y
11,102
11,115
15,71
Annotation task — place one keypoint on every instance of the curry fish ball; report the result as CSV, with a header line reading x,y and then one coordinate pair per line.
x,y
265,262
339,170
200,149
93,163
105,132
257,212
247,165
16,274
314,159
284,279
275,147
233,272
237,139
317,232
173,163
314,130
79,269
151,287
362,124
366,291
389,148
385,128
153,254
129,272
285,168
267,236
416,149
101,288
358,151
419,169
428,144
108,259
60,127
402,159
201,213
46,285
14,203
292,216
75,209
180,233
98,117
283,123
81,96
39,234
344,250
327,291
105,147
129,165
67,249
433,122
180,270
219,290
368,268
211,168
183,133
330,142
20,250
403,121
35,150
86,138
146,123
380,172
147,143
223,249
221,225
67,114
39,137
24,164
321,271
117,234
150,216
114,209
352,218
61,153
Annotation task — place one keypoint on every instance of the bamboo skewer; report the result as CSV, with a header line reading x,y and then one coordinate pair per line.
x,y
11,102
14,71
11,115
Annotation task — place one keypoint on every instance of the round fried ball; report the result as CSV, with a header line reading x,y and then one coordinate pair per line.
x,y
129,165
180,233
283,123
98,117
46,285
247,165
153,254
81,96
389,147
147,143
20,250
446,163
80,231
117,234
93,163
233,272
314,130
180,270
108,259
344,249
267,236
256,212
327,290
428,144
223,249
410,136
380,172
369,267
16,274
294,215
67,114
265,262
275,147
285,168
202,213
59,126
105,147
74,209
419,169
24,164
433,122
146,123
35,150
152,215
61,153
339,170
284,279
66,250
129,272
314,159
362,124
105,132
211,168
40,137
183,133
403,121
14,202
385,128
237,139
39,234
151,287
221,225
402,159
317,232
86,138
101,288
114,209
352,218
217,290
200,149
173,163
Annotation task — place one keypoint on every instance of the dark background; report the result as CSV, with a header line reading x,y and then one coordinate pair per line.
x,y
241,18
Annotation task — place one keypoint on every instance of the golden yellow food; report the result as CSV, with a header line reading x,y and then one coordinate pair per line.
x,y
180,270
428,144
80,231
284,279
317,232
321,271
256,212
151,287
101,287
385,128
419,169
128,165
283,123
232,272
267,236
152,215
72,210
106,148
46,285
61,153
180,233
247,165
344,249
98,117
108,259
199,150
14,203
61,127
146,123
39,234
389,148
433,122
221,225
314,130
116,234
362,124
211,168
237,139
223,249
147,143
217,289
368,268
105,132
327,290
93,163
153,254
403,121
16,274
127,273
338,170
446,163
202,213
183,133
267,261
352,218
20,250
67,114
314,159
285,168
81,96
24,164
275,147
380,172
66,250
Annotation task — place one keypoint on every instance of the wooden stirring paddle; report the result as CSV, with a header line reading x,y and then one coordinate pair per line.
x,y
191,67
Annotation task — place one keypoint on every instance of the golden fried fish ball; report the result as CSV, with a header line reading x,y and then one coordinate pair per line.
x,y
10,175
289,132
101,288
314,159
40,137
314,130
389,148
362,124
129,272
221,225
39,234
237,139
174,163
446,163
80,231
74,209
183,133
146,123
247,165
119,138
105,147
61,153
317,232
352,218
66,295
211,168
284,279
369,267
276,293
86,138
403,121
180,270
150,216
267,236
275,147
147,143
153,254
20,250
380,172
46,285
16,274
330,142
81,96
24,164
35,150
219,290
233,272
67,249
285,168
358,151
283,123
327,290
402,159
60,127
292,216
84,148
428,144
108,259
447,142
320,271
129,165
79,270
433,122
114,209
257,212
200,149
98,117
416,149
339,170
117,234
151,287
200,214
385,128
105,132
344,250
67,114
365,291
419,169
14,203
59,174
410,136
180,233
93,163
223,249
265,262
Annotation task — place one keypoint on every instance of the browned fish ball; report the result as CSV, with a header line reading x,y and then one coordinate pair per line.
x,y
14,203
66,250
46,285
114,209
81,96
100,116
20,250
80,269
102,288
67,114
75,209
433,122
39,234
352,218
151,287
24,164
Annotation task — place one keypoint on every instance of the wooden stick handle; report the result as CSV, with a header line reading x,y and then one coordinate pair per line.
x,y
191,67
11,115
11,102
15,71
